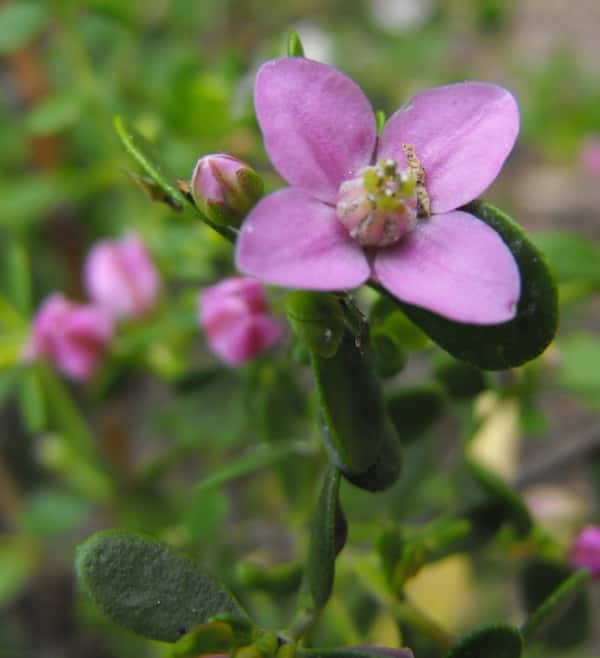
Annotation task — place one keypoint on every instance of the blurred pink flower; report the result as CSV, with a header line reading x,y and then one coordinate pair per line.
x,y
121,276
74,337
585,550
590,154
384,208
235,317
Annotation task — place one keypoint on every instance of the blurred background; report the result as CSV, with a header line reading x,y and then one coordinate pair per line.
x,y
143,445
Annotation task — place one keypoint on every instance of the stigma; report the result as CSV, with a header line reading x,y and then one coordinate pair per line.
x,y
380,205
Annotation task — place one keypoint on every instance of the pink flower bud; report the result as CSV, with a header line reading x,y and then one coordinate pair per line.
x,y
235,317
585,550
121,277
74,337
225,188
590,155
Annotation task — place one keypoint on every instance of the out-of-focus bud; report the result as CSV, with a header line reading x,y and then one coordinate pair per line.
x,y
235,317
585,550
74,337
590,155
225,188
121,277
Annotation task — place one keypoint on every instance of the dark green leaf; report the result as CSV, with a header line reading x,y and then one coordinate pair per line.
x,y
352,407
320,566
501,641
461,380
317,319
146,587
278,579
385,316
388,354
413,410
387,467
513,343
19,23
502,497
356,652
557,600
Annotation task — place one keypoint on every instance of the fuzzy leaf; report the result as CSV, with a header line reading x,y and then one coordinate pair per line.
x,y
146,587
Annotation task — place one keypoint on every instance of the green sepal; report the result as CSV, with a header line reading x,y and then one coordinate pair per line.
x,y
148,588
414,409
498,641
513,343
324,542
294,45
352,406
387,467
317,319
557,600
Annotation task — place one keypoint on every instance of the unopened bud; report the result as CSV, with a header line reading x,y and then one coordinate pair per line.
x,y
225,188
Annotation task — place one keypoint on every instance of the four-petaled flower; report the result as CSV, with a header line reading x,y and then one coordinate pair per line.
x,y
361,207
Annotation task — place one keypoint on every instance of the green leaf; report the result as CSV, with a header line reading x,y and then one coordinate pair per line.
x,y
386,317
502,497
31,399
277,579
580,366
574,258
556,604
414,409
19,276
138,149
557,600
206,639
356,652
387,467
500,641
388,353
19,23
55,114
461,380
294,45
352,407
149,589
320,566
513,343
317,319
18,561
51,512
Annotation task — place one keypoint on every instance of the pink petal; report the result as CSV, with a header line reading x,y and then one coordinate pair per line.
x,y
291,240
461,133
246,339
453,265
318,126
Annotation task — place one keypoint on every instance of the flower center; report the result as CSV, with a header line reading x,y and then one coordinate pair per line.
x,y
381,204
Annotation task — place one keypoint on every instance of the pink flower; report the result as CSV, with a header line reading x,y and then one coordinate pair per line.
x,y
361,207
235,317
590,155
74,337
120,276
585,550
